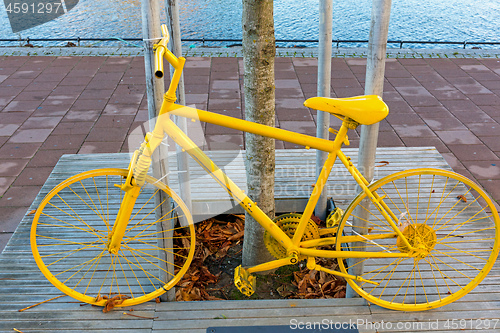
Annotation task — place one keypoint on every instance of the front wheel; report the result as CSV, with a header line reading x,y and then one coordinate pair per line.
x,y
447,217
70,230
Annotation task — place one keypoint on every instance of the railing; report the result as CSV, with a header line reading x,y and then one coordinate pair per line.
x,y
237,42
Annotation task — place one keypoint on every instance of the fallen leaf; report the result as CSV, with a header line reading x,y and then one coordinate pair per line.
x,y
236,236
382,163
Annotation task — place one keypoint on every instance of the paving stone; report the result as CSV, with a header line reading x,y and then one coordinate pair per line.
x,y
33,176
27,106
11,216
492,187
484,99
444,124
4,239
412,131
107,134
16,150
63,142
30,135
19,196
41,122
473,116
426,141
12,167
484,129
8,129
5,183
225,85
475,152
484,169
84,116
389,139
447,94
225,142
452,161
51,110
225,94
48,158
101,147
458,137
493,142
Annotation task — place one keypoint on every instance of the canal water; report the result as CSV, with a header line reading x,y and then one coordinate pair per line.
x,y
417,20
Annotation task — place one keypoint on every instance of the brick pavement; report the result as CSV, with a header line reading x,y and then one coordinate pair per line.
x,y
55,105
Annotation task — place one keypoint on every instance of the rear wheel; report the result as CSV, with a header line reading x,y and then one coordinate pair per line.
x,y
448,218
70,231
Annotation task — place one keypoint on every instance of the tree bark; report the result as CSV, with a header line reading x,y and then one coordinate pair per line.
x,y
258,57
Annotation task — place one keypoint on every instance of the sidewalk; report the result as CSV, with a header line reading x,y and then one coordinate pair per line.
x,y
55,105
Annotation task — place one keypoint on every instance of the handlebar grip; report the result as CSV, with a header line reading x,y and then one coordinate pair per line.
x,y
159,62
160,51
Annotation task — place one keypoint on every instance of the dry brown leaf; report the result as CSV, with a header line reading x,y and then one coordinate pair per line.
x,y
236,236
382,163
114,301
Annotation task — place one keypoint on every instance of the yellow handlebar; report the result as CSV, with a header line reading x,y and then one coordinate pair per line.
x,y
160,49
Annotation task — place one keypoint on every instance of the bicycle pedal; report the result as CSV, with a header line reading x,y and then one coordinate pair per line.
x,y
334,217
244,281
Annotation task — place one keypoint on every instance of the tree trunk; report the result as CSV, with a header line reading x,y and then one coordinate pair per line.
x,y
258,56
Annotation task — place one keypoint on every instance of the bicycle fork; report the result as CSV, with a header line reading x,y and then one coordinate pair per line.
x,y
115,237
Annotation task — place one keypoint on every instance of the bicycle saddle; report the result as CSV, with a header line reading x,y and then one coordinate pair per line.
x,y
366,109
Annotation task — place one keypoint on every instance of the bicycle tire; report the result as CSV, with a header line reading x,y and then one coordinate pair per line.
x,y
70,231
450,218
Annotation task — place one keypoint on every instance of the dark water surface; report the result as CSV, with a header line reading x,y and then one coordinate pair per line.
x,y
431,20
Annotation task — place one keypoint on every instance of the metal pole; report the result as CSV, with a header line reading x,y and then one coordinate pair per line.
x,y
150,31
172,9
155,89
324,84
375,69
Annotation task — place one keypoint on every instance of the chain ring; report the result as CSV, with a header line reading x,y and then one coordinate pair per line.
x,y
289,223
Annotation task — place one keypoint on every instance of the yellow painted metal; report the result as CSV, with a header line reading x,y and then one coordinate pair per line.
x,y
320,183
248,126
115,237
71,290
161,51
351,254
288,223
273,264
374,197
423,235
224,181
244,281
366,110
311,265
342,239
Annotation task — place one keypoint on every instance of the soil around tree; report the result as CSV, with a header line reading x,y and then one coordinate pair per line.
x,y
218,252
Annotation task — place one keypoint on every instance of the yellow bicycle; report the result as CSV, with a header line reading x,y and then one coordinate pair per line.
x,y
414,240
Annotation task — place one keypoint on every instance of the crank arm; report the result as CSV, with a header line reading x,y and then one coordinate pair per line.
x,y
311,264
293,259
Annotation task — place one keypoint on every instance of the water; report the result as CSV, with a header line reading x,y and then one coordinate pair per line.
x,y
432,20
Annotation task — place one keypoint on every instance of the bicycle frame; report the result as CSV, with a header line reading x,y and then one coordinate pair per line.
x,y
165,125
